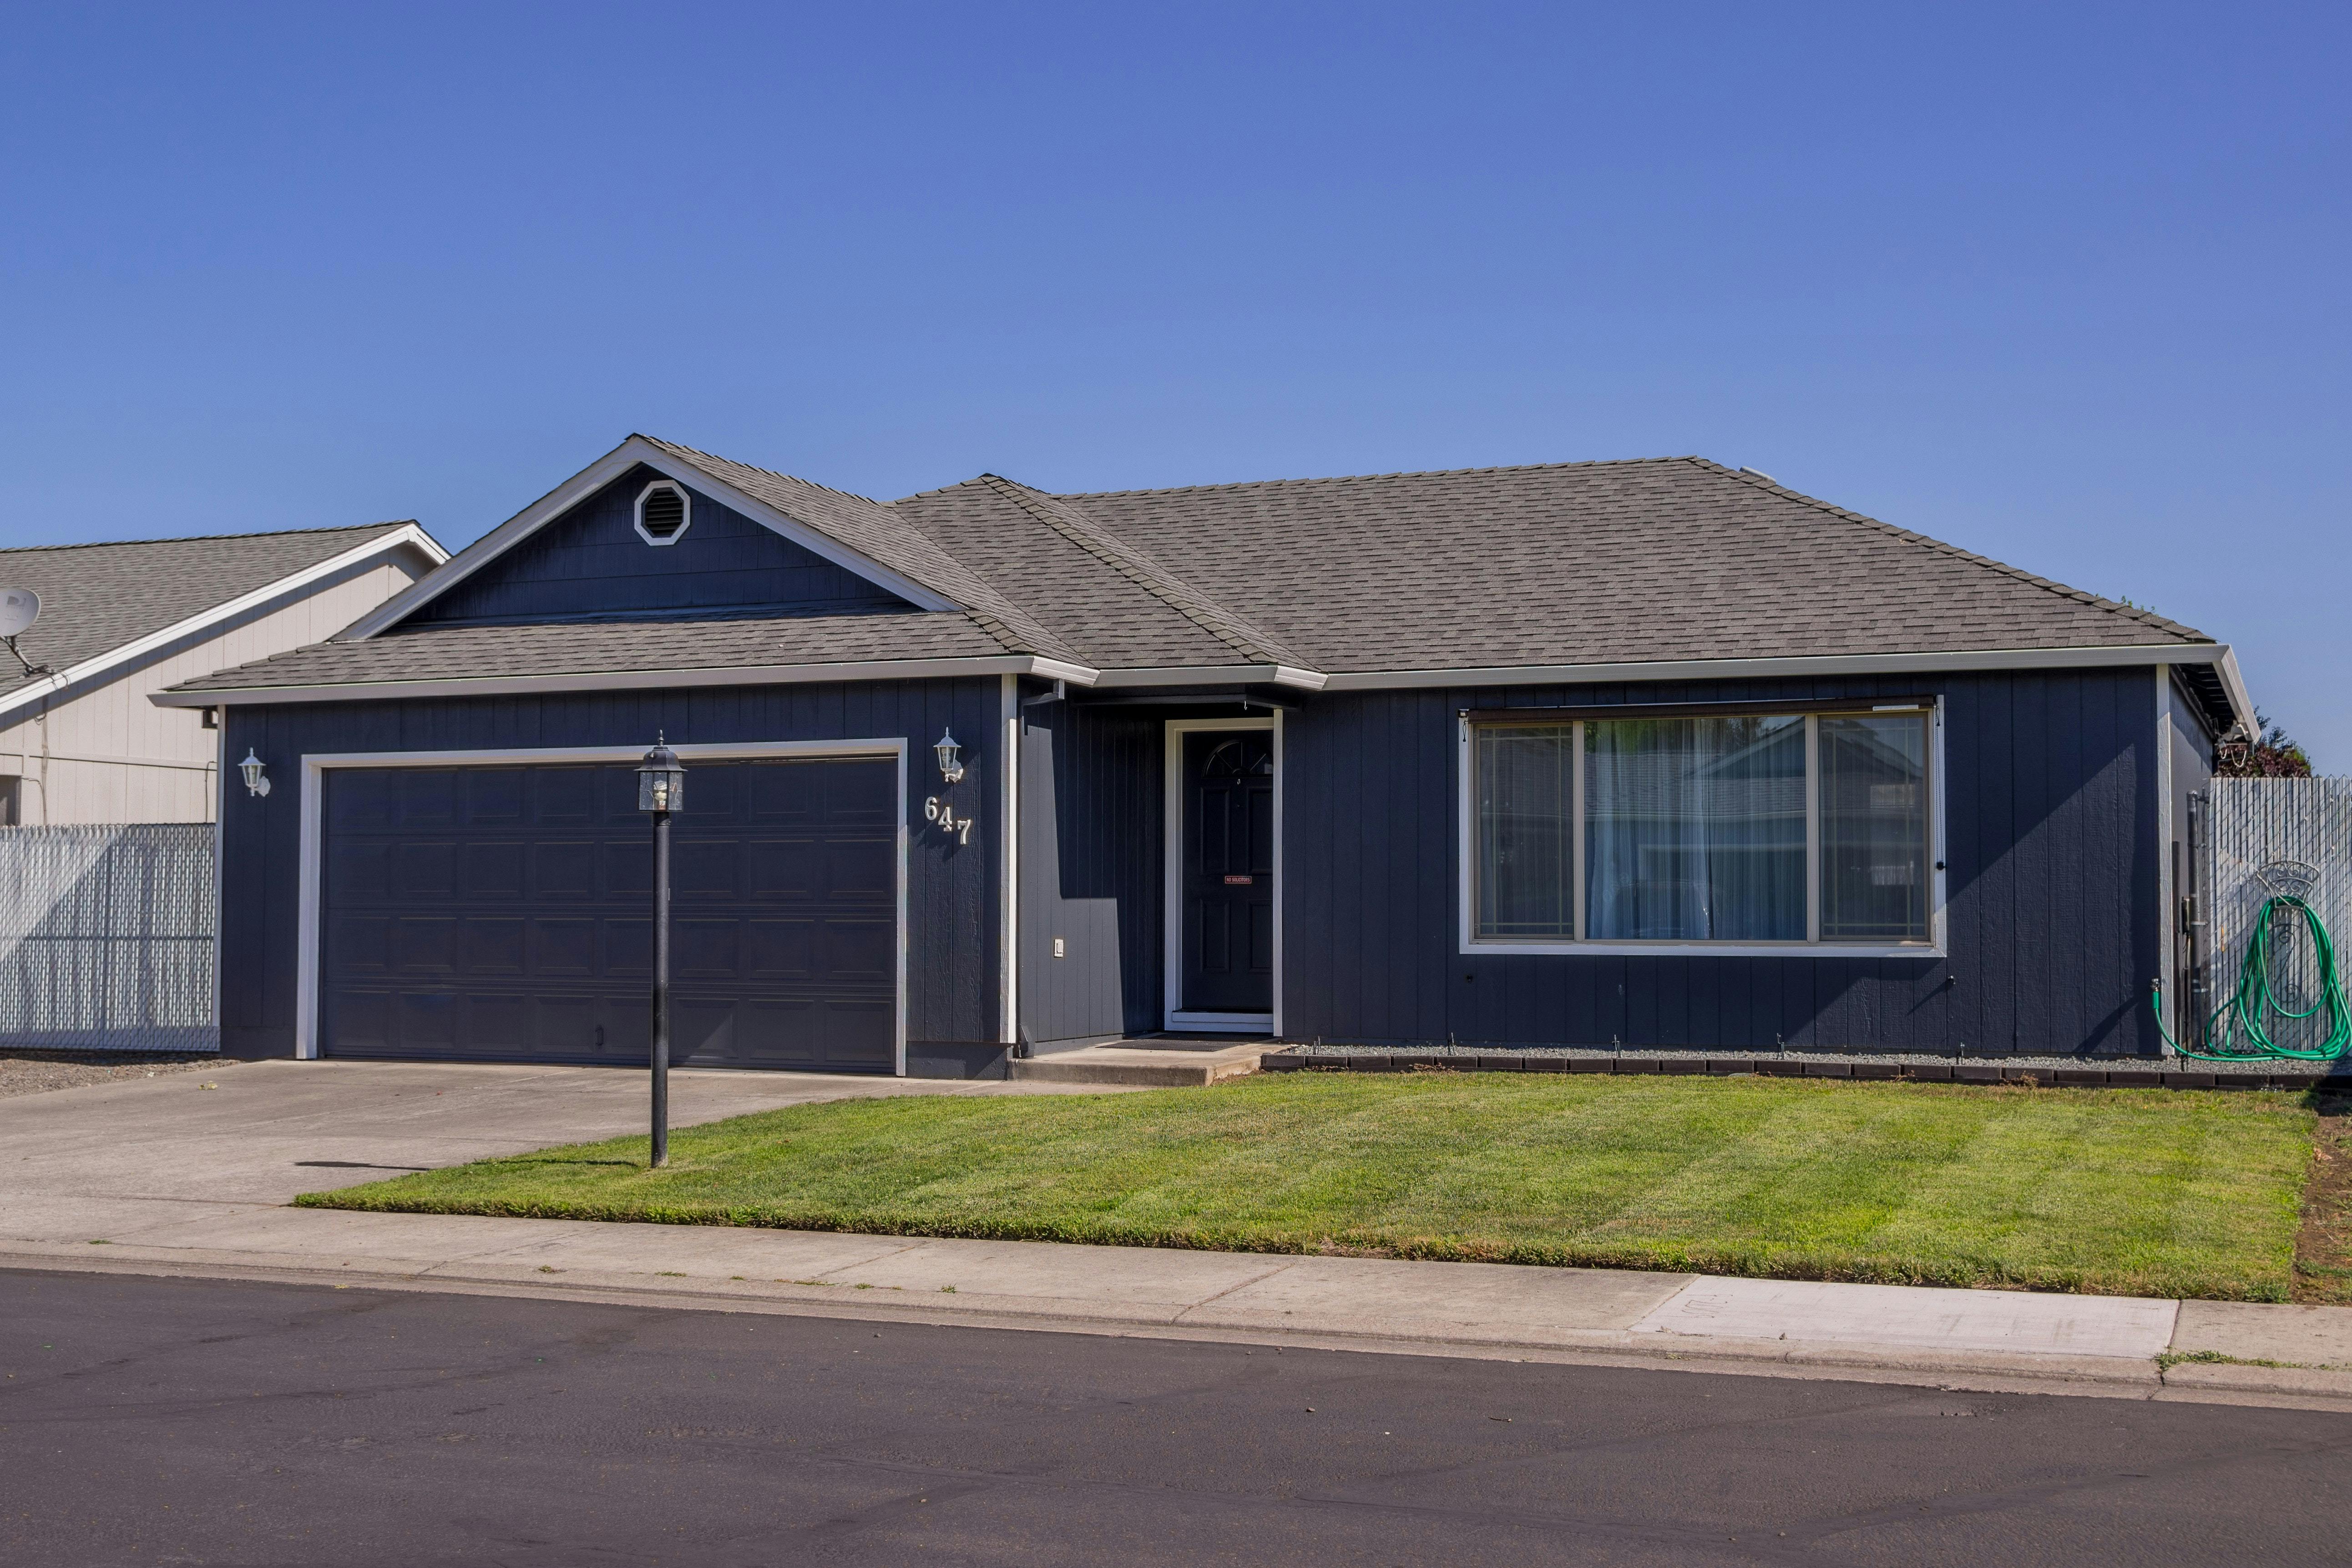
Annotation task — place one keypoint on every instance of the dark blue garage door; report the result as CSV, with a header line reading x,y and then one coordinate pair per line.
x,y
505,914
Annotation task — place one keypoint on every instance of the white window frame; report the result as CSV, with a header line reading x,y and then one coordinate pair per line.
x,y
685,522
311,856
1171,964
1466,851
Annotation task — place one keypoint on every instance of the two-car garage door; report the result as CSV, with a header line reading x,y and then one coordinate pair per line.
x,y
505,914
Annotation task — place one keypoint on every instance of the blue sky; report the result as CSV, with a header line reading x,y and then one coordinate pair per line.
x,y
2064,285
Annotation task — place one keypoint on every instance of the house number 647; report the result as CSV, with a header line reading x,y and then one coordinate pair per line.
x,y
938,811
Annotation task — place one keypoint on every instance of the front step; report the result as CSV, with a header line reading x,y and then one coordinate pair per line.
x,y
1142,1066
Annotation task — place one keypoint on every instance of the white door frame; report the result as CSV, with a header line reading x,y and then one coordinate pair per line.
x,y
311,907
1172,876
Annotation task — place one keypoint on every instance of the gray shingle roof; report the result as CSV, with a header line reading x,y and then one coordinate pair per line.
x,y
1111,601
610,648
1654,560
1658,559
97,597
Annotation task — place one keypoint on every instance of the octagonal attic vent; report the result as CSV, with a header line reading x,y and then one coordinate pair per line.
x,y
663,513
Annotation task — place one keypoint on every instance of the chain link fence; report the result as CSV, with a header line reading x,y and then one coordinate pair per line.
x,y
106,938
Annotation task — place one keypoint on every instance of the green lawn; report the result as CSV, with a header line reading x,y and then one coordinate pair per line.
x,y
2140,1192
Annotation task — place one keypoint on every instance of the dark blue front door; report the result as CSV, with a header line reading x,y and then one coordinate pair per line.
x,y
1228,894
505,914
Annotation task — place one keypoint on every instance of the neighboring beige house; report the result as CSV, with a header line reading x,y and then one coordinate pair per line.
x,y
80,742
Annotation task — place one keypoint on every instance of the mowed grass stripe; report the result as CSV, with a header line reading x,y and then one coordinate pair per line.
x,y
2140,1192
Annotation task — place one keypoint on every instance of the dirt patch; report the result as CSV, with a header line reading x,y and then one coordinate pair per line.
x,y
37,1072
2323,1250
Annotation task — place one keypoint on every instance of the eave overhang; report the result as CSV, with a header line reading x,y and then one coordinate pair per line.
x,y
628,681
2142,655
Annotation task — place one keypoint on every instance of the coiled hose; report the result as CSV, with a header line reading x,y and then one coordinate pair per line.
x,y
2241,1027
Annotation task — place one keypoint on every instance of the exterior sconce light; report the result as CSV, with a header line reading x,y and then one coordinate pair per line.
x,y
661,791
950,757
257,781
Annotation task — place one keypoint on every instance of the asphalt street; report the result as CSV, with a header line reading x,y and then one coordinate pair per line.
x,y
153,1421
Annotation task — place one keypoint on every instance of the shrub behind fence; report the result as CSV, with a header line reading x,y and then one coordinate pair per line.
x,y
106,937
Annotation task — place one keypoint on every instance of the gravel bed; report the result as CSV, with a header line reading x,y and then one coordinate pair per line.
x,y
37,1072
2260,1066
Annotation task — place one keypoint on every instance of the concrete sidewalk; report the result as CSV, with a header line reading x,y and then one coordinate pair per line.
x,y
167,1176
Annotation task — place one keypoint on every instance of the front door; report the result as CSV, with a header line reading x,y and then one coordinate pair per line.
x,y
1228,892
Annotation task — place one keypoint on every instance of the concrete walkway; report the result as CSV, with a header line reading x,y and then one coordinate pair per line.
x,y
171,1176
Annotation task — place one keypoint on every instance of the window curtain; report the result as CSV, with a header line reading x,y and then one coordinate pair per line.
x,y
1696,829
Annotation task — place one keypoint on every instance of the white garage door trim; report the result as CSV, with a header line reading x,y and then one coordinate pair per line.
x,y
314,794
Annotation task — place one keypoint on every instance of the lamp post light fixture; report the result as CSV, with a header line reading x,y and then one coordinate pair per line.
x,y
257,781
950,757
661,790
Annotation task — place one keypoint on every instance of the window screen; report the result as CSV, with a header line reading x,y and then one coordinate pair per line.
x,y
1875,827
1526,833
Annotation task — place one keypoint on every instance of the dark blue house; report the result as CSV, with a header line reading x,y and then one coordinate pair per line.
x,y
1656,752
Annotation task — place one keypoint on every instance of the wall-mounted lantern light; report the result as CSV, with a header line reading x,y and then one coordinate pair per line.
x,y
257,781
950,757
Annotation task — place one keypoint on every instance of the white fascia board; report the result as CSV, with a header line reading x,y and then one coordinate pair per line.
x,y
408,536
2234,683
596,477
1217,675
1830,664
630,680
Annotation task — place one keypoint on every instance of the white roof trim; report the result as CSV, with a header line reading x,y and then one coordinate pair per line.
x,y
1218,675
637,450
408,534
2138,654
2232,682
631,681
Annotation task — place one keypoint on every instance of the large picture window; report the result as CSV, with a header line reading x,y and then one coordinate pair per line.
x,y
1725,828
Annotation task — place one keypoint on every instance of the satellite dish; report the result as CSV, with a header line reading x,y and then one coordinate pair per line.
x,y
20,608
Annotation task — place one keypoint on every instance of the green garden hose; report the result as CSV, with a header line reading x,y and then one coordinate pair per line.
x,y
2247,1015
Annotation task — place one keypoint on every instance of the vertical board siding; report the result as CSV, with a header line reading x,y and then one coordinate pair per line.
x,y
593,561
2049,804
1092,799
952,973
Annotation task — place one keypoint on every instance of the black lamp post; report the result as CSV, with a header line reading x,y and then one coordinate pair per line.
x,y
661,790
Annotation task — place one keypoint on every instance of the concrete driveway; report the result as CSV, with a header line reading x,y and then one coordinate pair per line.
x,y
161,1161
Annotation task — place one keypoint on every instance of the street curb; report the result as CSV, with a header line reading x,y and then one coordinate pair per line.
x,y
1976,1371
